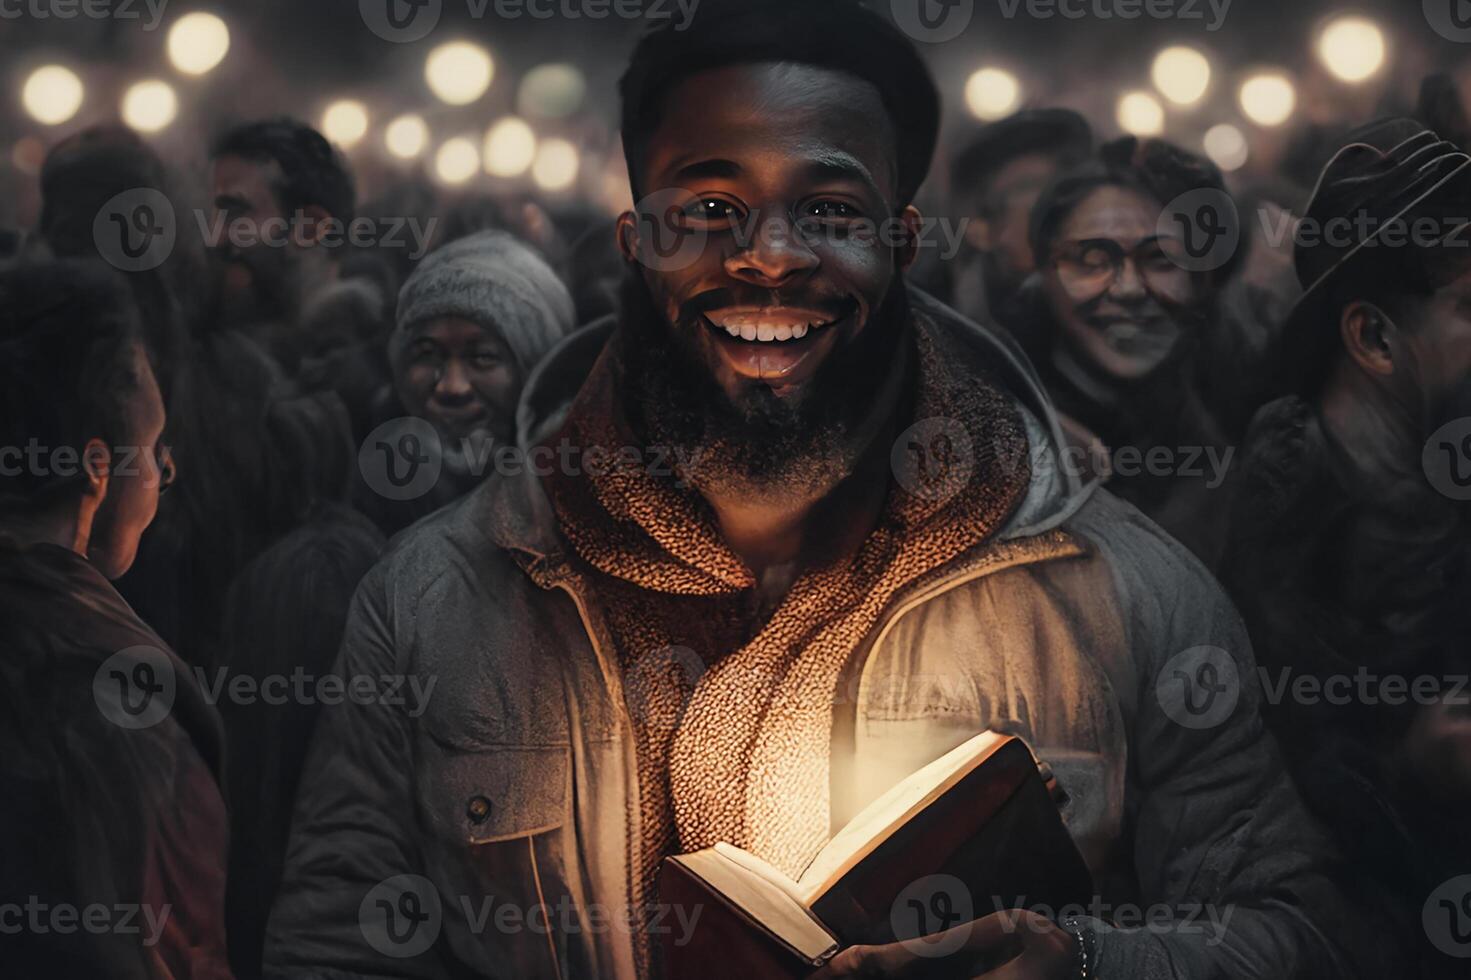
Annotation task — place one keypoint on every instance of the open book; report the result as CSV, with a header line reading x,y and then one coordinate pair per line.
x,y
981,813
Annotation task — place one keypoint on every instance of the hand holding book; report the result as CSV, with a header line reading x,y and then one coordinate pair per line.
x,y
1013,944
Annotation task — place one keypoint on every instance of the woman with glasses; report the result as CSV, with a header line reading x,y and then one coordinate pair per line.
x,y
1128,306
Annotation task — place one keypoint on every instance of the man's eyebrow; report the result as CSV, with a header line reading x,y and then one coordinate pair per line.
x,y
839,166
227,201
704,169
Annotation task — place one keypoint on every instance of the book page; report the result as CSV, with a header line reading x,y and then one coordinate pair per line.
x,y
876,821
764,901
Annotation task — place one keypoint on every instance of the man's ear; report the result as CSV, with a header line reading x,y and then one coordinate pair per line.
x,y
911,219
1366,332
314,225
97,467
626,231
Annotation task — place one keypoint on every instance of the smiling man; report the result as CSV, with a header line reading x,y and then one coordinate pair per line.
x,y
875,554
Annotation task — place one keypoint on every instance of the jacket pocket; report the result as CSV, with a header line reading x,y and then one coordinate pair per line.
x,y
496,794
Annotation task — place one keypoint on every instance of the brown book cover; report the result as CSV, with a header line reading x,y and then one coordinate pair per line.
x,y
981,813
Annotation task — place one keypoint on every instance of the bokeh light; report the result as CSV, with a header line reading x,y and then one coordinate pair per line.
x,y
52,94
555,166
457,161
459,72
1141,114
1268,98
198,42
345,123
1352,48
992,93
150,106
510,146
406,137
1182,75
551,92
1226,146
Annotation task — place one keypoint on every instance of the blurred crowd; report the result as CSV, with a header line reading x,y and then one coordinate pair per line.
x,y
264,384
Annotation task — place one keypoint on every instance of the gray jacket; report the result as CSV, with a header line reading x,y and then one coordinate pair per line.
x,y
492,830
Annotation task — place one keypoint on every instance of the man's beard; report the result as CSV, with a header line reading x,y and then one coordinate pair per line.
x,y
268,297
761,444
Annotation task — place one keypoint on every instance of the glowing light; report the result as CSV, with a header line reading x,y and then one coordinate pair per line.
x,y
1352,48
459,72
1268,98
345,123
406,137
551,92
150,106
1226,146
1182,75
457,161
52,94
1141,114
555,167
991,93
198,42
510,146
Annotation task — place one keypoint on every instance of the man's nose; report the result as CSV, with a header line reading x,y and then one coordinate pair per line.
x,y
777,255
453,383
1128,285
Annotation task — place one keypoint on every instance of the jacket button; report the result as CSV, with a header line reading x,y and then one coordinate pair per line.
x,y
478,810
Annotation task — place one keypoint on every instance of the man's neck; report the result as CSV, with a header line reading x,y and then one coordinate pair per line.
x,y
1373,430
62,527
779,535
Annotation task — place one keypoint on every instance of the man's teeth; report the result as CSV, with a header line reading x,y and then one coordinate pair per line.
x,y
746,329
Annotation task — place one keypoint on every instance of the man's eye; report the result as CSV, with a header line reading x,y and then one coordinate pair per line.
x,y
426,352
485,359
831,209
711,209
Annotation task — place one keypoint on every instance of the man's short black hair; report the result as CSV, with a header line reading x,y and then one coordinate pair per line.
x,y
841,35
312,172
1060,134
68,371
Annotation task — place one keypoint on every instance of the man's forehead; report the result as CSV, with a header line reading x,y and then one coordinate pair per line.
x,y
775,115
239,173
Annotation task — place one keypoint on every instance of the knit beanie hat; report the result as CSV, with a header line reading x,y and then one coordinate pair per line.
x,y
492,279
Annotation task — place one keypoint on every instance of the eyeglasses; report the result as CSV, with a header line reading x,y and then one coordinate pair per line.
x,y
1090,267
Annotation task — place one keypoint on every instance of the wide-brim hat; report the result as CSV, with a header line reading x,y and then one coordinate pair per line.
x,y
1389,176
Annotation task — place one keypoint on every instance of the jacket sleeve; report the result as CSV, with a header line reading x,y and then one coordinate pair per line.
x,y
1234,874
351,864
